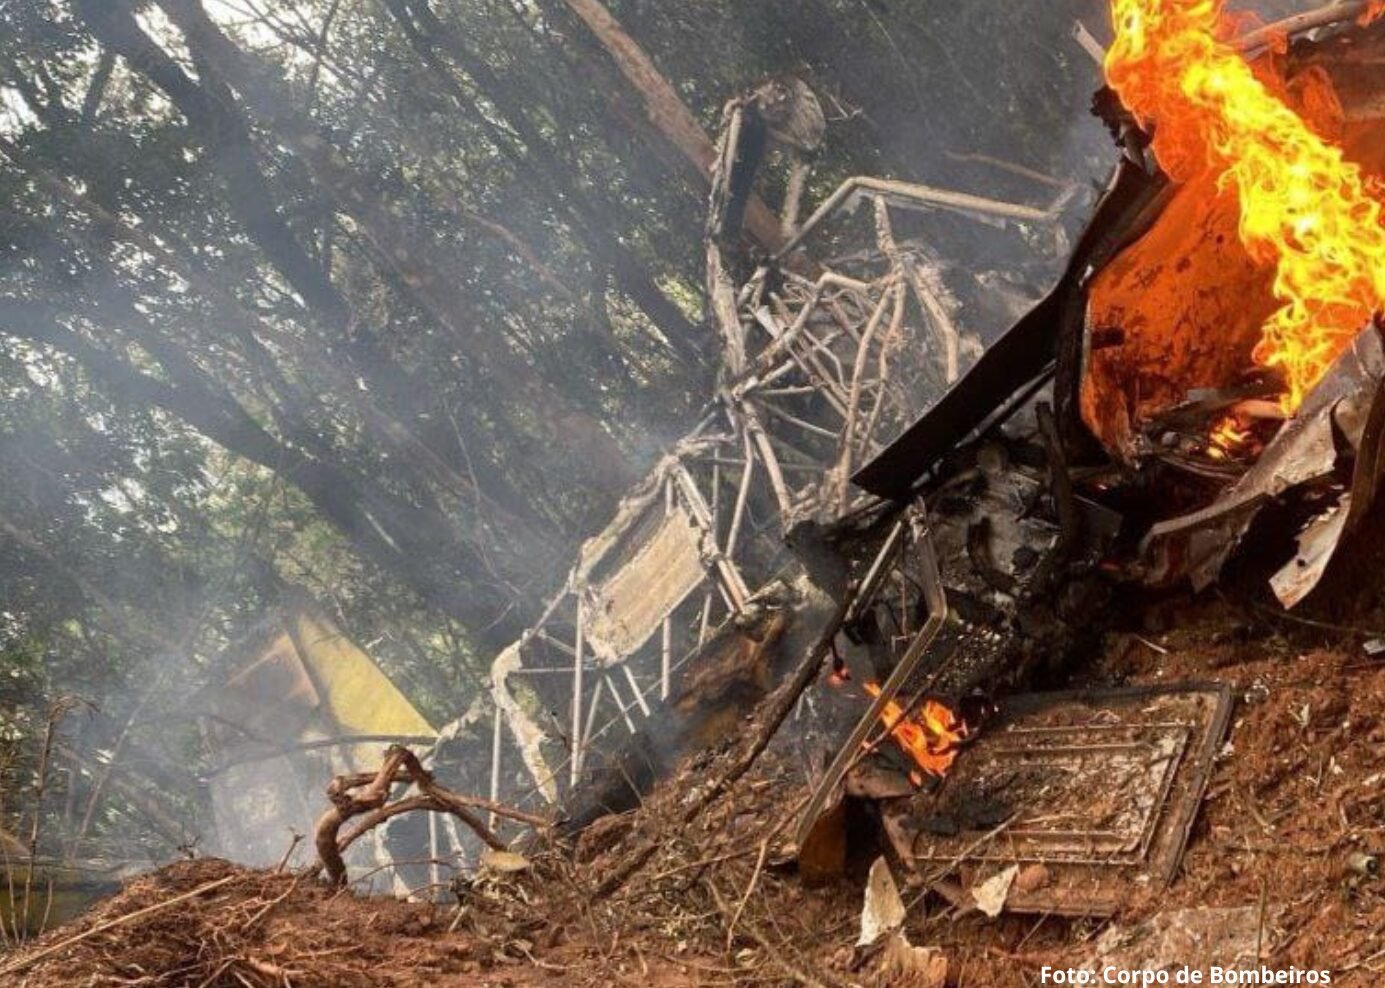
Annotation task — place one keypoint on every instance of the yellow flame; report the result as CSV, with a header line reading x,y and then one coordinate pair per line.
x,y
1227,438
1303,207
930,737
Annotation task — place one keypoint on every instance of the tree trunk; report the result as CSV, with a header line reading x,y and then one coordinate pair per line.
x,y
545,173
592,448
228,142
414,544
501,501
668,113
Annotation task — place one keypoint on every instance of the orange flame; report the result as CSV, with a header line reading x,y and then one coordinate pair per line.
x,y
1303,207
930,737
1227,438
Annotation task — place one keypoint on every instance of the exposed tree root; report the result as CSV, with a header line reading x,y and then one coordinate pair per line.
x,y
367,795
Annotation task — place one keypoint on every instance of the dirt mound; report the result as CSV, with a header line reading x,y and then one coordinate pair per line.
x,y
209,924
1298,796
1295,807
212,924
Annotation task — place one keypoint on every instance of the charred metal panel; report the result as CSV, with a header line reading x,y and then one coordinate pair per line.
x,y
1099,787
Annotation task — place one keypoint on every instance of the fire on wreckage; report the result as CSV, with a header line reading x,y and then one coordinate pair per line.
x,y
1215,346
960,514
1157,348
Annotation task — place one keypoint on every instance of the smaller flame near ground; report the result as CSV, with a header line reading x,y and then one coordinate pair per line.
x,y
930,736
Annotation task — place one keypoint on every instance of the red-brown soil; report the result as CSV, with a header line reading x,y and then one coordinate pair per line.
x,y
1300,786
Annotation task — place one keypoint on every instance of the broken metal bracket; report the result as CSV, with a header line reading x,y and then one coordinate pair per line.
x,y
935,597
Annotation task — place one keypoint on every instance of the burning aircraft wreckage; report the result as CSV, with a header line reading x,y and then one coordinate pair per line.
x,y
942,520
937,519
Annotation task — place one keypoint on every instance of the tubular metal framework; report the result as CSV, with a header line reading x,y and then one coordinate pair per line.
x,y
822,363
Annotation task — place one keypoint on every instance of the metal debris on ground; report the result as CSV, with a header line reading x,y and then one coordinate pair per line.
x,y
1100,788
